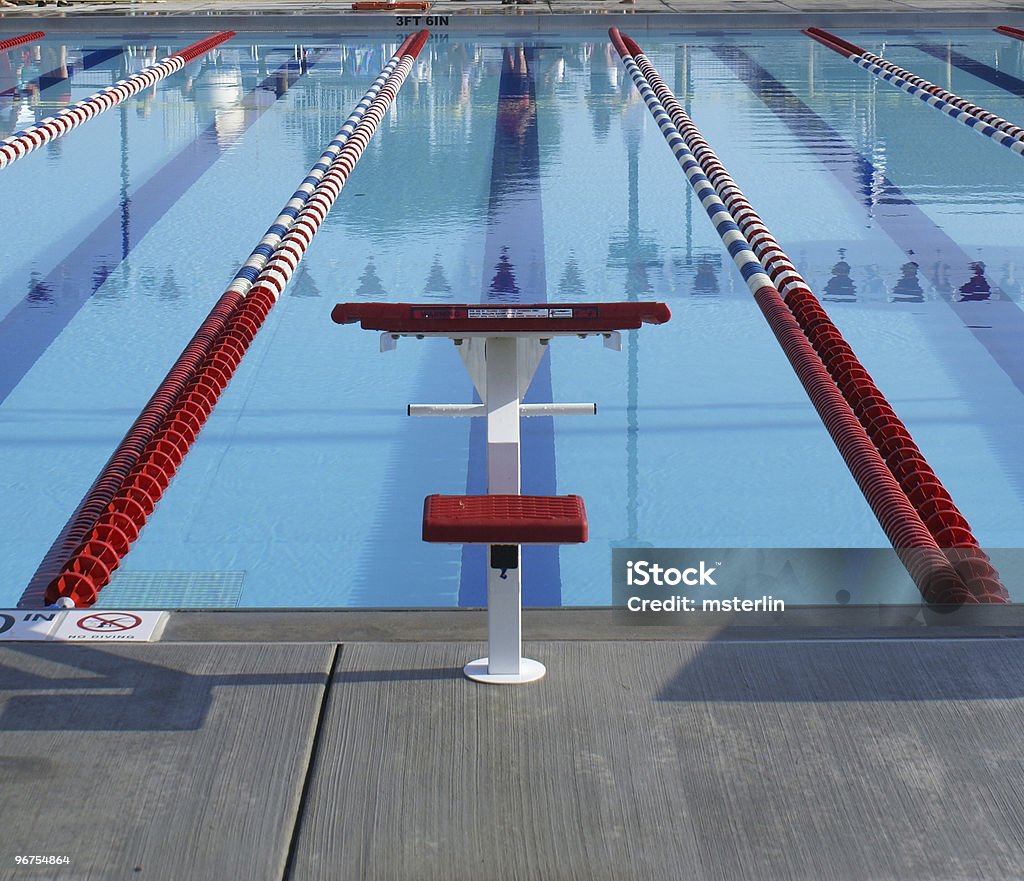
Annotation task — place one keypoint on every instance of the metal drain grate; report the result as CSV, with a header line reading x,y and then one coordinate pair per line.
x,y
172,590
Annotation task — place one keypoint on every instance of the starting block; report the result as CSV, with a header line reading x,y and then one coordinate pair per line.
x,y
501,347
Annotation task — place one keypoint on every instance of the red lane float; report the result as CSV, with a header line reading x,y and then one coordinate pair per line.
x,y
889,435
11,42
933,574
184,371
136,491
24,142
1008,31
982,121
391,5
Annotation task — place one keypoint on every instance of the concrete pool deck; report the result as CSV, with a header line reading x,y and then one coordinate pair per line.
x,y
737,755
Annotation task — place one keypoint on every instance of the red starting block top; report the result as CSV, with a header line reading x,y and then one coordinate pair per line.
x,y
481,318
504,519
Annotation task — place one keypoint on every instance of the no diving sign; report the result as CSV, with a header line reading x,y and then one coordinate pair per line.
x,y
81,625
111,626
109,622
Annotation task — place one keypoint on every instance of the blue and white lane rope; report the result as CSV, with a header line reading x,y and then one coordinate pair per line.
x,y
1000,136
975,118
279,268
739,249
913,543
271,241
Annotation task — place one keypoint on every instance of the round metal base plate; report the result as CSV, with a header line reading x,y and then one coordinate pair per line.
x,y
529,671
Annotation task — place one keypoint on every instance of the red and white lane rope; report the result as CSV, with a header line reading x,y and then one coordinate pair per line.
x,y
22,143
12,42
974,117
185,368
271,241
137,490
931,571
887,432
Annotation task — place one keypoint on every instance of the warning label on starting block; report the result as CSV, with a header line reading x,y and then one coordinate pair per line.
x,y
538,312
110,626
26,624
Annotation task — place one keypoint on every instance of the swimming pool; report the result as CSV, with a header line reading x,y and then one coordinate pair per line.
x,y
509,169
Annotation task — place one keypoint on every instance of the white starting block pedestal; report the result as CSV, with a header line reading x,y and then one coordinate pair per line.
x,y
501,347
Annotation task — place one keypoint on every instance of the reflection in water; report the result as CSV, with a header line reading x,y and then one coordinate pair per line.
x,y
604,94
303,285
514,247
873,285
1008,283
8,79
370,285
977,287
940,273
74,276
515,149
503,285
170,289
685,93
908,287
634,250
637,251
39,292
124,197
571,284
437,287
135,60
840,287
705,280
9,102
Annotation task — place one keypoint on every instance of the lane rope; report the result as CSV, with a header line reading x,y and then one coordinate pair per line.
x,y
184,370
12,42
20,144
928,567
223,345
889,435
974,117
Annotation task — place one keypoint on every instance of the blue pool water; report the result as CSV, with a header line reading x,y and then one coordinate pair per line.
x,y
508,170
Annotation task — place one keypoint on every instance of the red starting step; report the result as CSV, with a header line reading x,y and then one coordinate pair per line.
x,y
504,519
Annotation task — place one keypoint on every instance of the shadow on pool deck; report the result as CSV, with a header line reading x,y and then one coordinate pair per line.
x,y
729,758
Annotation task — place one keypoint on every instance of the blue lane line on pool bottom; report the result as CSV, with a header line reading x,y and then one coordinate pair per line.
x,y
982,71
89,61
51,303
53,77
898,216
514,271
